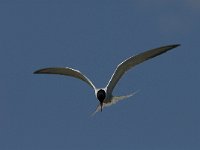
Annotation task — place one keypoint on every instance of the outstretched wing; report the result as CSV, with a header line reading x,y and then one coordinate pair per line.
x,y
133,61
66,71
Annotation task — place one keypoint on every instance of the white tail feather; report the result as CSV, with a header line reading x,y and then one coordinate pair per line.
x,y
114,100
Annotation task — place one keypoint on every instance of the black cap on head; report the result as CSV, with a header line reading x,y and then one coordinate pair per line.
x,y
101,95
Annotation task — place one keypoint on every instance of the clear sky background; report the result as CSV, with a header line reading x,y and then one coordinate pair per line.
x,y
48,112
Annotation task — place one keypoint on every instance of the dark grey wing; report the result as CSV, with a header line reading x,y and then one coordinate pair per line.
x,y
66,71
133,61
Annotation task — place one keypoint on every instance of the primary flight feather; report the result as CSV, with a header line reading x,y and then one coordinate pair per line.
x,y
104,95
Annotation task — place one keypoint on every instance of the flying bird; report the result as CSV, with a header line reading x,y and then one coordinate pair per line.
x,y
104,95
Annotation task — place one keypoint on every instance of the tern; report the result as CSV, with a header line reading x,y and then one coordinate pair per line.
x,y
104,95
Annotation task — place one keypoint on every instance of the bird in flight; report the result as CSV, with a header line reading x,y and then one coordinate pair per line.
x,y
104,95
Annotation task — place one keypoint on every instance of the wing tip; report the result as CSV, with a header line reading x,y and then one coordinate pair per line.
x,y
176,45
40,71
36,72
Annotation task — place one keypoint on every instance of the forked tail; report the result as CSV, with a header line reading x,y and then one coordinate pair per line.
x,y
114,100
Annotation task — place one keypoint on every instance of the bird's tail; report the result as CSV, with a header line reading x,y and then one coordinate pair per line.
x,y
114,100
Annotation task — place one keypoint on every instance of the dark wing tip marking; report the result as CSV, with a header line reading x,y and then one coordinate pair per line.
x,y
175,45
161,52
43,71
36,72
39,71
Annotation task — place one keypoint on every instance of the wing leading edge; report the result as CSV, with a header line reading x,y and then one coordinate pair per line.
x,y
133,61
67,72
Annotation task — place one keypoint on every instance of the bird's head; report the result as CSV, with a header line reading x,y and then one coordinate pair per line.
x,y
101,95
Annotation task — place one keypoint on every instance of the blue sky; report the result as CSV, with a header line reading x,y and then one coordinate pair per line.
x,y
40,112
